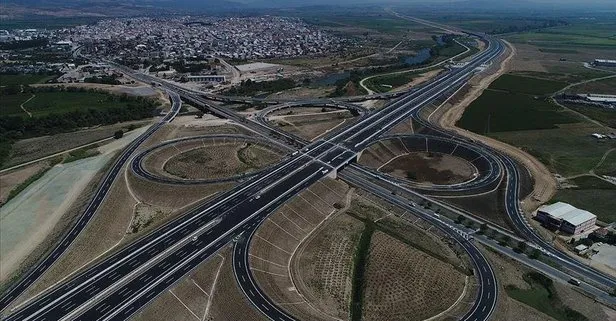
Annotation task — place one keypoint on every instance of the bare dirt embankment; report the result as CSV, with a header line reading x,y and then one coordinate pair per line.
x,y
544,183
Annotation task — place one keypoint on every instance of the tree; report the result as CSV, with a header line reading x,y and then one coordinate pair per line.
x,y
535,254
505,240
118,134
483,228
460,219
521,248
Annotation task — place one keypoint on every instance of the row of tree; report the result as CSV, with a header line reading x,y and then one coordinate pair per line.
x,y
13,128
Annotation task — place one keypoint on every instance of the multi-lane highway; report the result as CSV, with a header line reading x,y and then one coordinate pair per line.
x,y
122,283
118,285
36,271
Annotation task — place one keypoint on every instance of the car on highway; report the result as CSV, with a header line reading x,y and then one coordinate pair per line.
x,y
575,282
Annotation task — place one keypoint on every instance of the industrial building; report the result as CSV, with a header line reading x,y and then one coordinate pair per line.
x,y
204,78
604,63
567,218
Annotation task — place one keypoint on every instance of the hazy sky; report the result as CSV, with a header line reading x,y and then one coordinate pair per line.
x,y
488,3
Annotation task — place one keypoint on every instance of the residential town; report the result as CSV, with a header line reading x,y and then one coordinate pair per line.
x,y
185,37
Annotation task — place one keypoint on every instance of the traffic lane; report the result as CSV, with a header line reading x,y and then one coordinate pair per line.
x,y
149,252
247,283
301,160
485,303
233,225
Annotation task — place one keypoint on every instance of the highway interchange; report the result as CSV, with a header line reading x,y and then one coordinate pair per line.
x,y
121,284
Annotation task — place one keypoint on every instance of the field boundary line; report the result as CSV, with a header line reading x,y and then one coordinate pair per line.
x,y
272,244
212,289
53,155
294,212
24,108
182,302
265,260
305,200
198,286
280,227
292,222
270,273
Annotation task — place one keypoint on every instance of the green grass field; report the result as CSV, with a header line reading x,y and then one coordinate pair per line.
x,y
45,103
514,102
558,51
7,80
527,85
604,116
542,297
595,34
500,111
603,86
384,24
10,104
394,81
550,39
568,150
509,111
608,167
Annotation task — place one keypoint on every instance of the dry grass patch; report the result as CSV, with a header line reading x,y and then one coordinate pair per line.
x,y
172,196
33,148
433,168
312,126
13,178
220,161
402,283
326,262
281,235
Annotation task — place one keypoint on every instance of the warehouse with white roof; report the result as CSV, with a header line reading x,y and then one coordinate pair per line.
x,y
566,218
